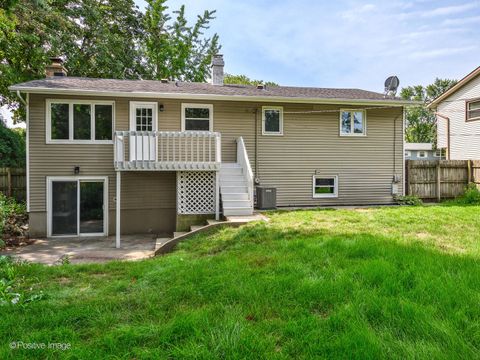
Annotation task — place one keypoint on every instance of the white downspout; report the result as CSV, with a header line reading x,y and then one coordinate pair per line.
x,y
27,145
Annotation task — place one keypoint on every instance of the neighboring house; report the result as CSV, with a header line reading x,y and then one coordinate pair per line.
x,y
422,151
458,118
137,156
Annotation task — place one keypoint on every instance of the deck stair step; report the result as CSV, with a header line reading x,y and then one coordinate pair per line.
x,y
235,196
237,211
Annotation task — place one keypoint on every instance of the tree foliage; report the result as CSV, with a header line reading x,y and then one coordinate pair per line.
x,y
421,122
101,39
245,80
175,50
12,147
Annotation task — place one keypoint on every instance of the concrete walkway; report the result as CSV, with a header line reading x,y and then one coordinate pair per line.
x,y
85,250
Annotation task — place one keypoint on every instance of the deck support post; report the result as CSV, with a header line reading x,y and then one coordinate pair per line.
x,y
117,211
217,195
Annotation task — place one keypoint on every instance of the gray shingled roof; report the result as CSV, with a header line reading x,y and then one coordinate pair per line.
x,y
154,87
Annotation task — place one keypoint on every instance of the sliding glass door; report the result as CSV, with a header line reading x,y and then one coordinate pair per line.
x,y
64,208
77,207
91,207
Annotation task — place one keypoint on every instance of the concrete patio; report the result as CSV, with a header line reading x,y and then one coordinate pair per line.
x,y
85,249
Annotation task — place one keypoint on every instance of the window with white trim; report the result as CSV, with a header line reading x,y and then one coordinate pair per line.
x,y
79,121
197,117
438,153
422,154
272,120
353,123
408,153
473,110
325,186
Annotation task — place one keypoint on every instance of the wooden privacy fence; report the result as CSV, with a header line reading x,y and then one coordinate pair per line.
x,y
13,182
440,179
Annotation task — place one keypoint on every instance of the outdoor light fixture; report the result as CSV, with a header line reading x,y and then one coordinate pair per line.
x,y
160,108
76,170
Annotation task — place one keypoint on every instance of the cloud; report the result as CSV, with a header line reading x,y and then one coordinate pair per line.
x,y
450,10
436,53
358,12
462,21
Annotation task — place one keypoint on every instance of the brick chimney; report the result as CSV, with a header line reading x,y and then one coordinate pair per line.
x,y
56,68
217,69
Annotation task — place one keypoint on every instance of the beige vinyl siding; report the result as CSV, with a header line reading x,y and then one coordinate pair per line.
x,y
310,144
140,190
464,136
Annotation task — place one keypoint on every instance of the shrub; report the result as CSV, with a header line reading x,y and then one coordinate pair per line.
x,y
409,200
471,196
13,216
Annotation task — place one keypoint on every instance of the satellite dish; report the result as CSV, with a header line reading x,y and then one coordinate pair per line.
x,y
391,85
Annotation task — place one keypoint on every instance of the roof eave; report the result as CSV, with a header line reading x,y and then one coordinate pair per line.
x,y
190,96
433,104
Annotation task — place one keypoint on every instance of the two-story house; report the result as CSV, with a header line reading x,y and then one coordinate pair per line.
x,y
458,118
137,156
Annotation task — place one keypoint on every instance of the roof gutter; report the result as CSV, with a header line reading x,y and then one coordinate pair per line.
x,y
190,96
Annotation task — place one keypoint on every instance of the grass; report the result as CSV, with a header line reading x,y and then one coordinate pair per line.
x,y
390,283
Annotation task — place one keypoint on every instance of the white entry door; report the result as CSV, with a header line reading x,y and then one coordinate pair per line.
x,y
143,118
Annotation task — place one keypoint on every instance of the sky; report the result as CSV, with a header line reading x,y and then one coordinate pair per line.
x,y
344,43
341,43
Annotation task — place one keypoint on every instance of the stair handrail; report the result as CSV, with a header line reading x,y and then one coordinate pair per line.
x,y
242,159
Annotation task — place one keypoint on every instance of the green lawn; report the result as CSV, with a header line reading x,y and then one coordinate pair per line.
x,y
379,283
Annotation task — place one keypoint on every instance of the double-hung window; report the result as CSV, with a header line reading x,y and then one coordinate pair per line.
x,y
197,117
272,120
79,121
325,186
353,123
473,110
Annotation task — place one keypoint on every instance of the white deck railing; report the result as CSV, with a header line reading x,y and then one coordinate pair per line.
x,y
167,150
242,159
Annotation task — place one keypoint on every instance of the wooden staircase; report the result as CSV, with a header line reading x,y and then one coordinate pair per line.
x,y
234,191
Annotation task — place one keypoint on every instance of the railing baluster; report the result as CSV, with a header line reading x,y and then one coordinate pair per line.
x,y
175,148
173,139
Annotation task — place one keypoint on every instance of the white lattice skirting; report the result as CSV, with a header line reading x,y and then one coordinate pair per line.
x,y
196,192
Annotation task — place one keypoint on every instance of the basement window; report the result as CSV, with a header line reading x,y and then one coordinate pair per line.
x,y
79,121
325,186
353,123
272,120
473,110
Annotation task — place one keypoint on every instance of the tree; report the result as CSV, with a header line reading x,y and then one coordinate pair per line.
x,y
175,50
421,122
102,39
245,80
12,147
